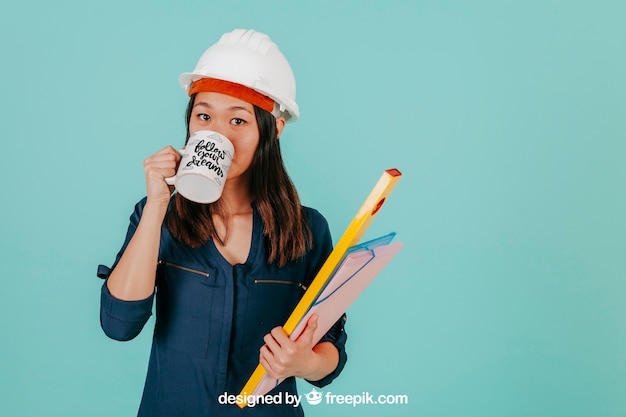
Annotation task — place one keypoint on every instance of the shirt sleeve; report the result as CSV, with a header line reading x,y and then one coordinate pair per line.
x,y
337,336
123,320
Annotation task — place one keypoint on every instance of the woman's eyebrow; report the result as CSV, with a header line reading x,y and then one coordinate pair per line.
x,y
240,108
203,104
208,105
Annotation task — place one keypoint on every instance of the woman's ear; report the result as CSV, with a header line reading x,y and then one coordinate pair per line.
x,y
280,125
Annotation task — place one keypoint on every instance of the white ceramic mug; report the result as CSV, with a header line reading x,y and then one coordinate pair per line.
x,y
204,165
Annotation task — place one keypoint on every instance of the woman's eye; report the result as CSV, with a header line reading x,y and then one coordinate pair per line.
x,y
236,121
204,117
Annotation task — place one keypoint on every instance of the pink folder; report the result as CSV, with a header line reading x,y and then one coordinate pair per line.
x,y
356,271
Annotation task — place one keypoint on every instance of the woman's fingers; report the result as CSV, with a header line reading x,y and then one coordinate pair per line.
x,y
282,357
157,167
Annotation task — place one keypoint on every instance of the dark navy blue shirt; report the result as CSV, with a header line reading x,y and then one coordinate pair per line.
x,y
211,318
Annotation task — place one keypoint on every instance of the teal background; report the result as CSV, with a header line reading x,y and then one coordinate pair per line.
x,y
506,118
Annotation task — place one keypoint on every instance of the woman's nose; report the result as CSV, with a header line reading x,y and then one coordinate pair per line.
x,y
219,126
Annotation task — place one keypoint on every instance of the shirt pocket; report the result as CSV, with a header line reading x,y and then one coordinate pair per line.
x,y
188,303
273,300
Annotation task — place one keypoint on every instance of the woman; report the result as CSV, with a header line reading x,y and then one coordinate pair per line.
x,y
228,274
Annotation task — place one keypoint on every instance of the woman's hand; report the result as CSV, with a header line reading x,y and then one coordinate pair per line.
x,y
282,357
157,167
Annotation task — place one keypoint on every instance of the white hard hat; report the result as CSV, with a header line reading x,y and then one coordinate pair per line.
x,y
251,59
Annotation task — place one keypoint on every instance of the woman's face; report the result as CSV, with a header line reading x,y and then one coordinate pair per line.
x,y
234,119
